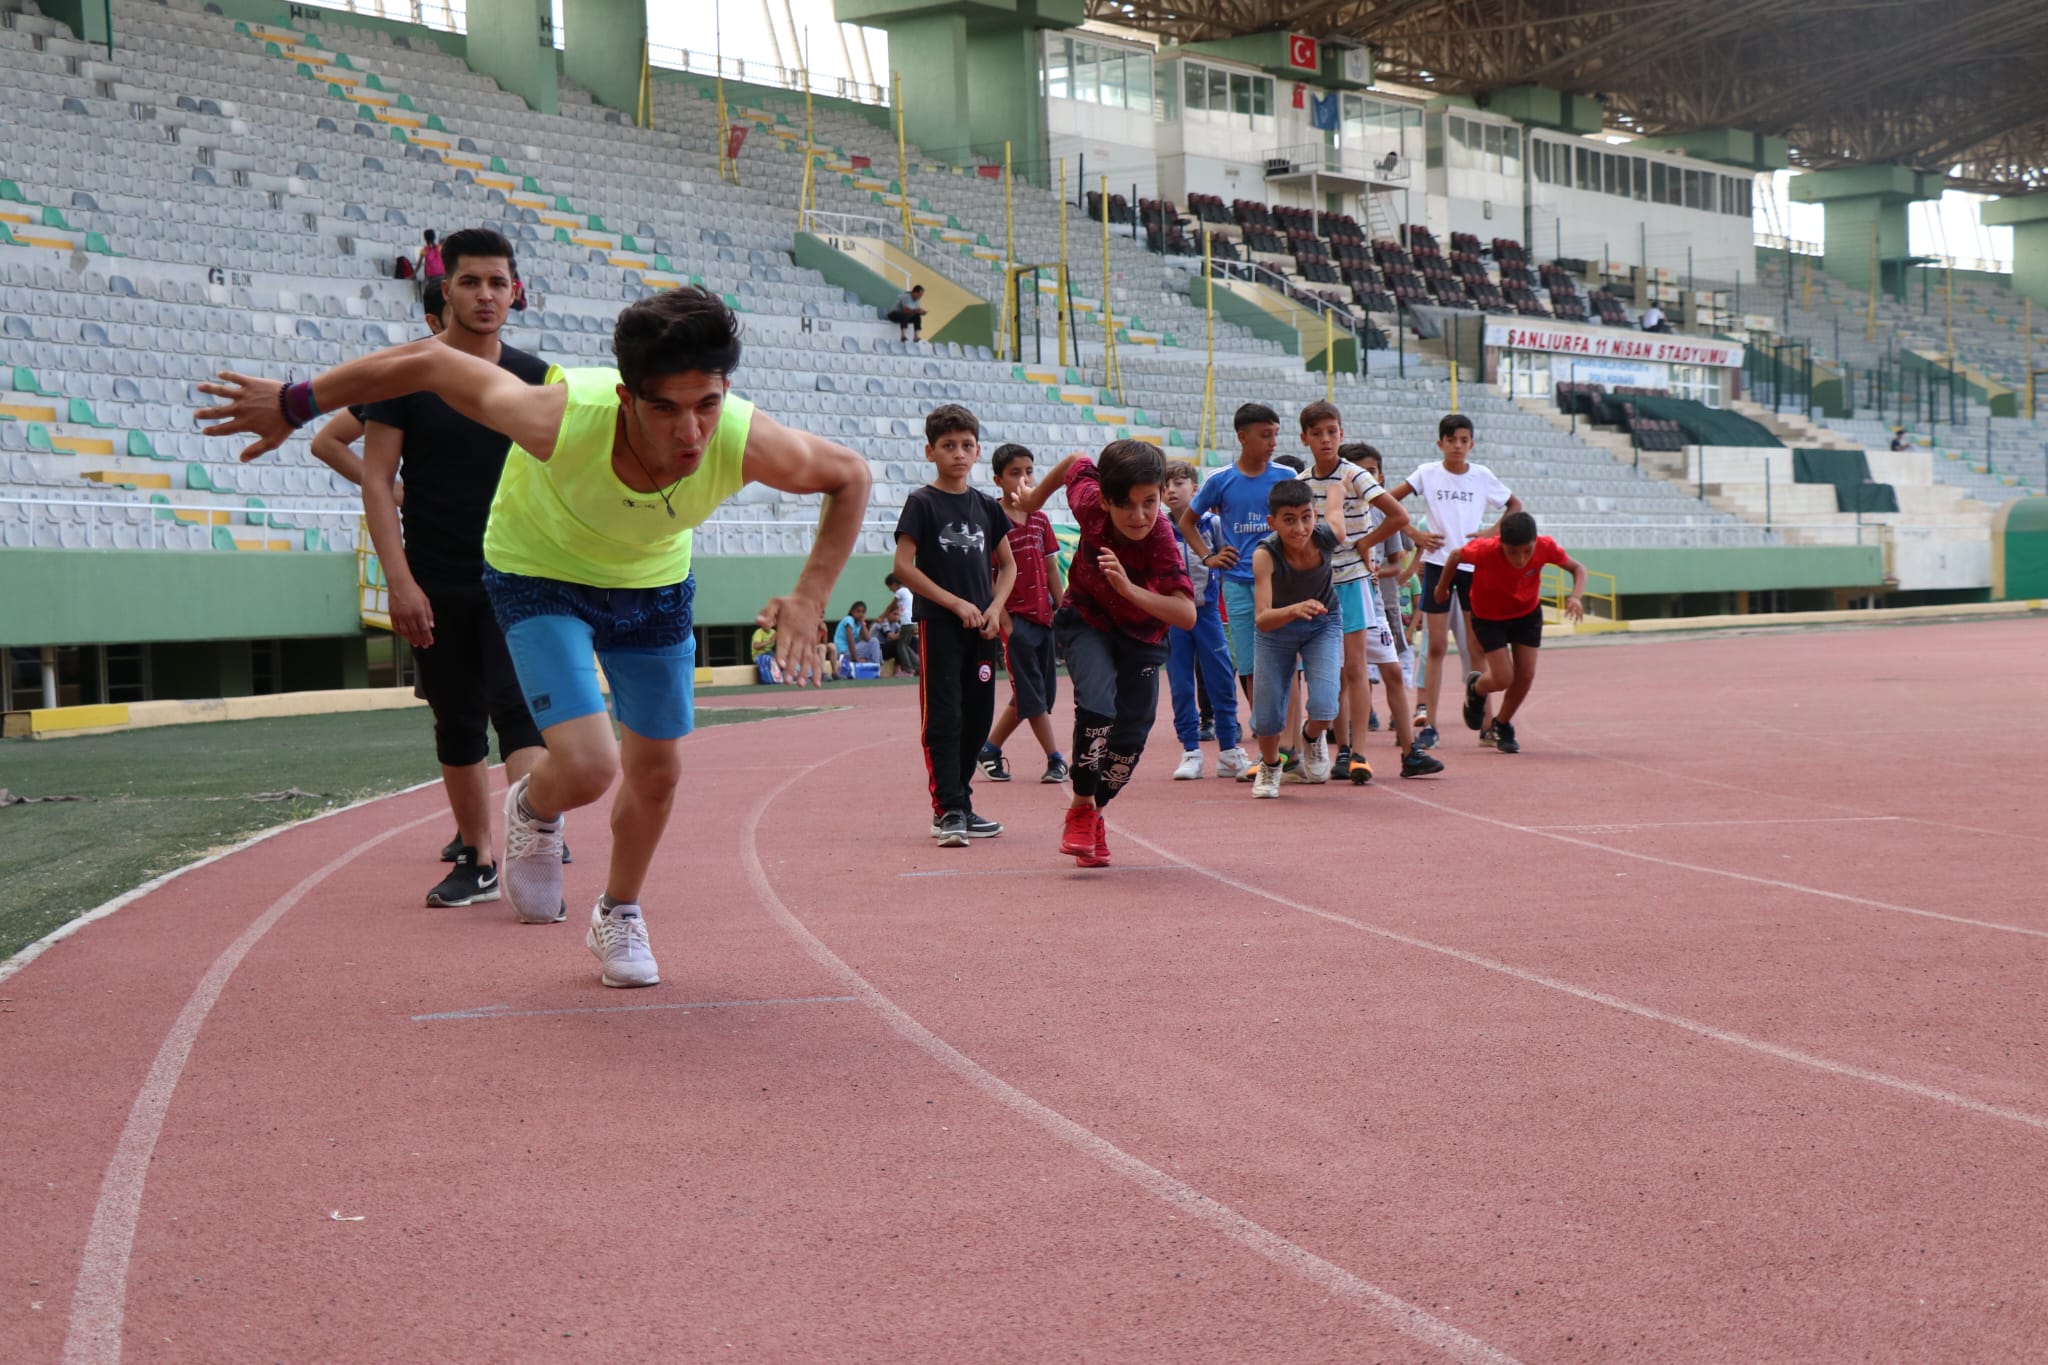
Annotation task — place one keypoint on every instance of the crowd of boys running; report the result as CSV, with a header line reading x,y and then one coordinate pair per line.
x,y
530,518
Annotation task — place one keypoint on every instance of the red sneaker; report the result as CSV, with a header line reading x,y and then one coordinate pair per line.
x,y
1077,836
1098,855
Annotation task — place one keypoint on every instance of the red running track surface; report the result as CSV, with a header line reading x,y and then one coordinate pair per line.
x,y
1710,1027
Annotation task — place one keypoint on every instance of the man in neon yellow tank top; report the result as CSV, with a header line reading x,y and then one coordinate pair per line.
x,y
588,549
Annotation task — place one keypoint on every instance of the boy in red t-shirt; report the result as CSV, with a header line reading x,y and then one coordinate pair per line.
x,y
1128,584
1507,613
1025,623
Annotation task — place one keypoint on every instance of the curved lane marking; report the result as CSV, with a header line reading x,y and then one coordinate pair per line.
x,y
1390,1309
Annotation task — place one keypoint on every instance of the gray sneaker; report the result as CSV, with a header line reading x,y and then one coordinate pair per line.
x,y
619,939
531,870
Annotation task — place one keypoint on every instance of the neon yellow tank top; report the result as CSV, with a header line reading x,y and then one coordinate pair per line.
x,y
570,519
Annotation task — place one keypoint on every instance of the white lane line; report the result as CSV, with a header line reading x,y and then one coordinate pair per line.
x,y
1772,882
1614,1002
100,1302
1711,824
507,1012
1073,871
1395,1312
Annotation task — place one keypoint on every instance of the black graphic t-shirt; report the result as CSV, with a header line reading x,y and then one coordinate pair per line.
x,y
956,535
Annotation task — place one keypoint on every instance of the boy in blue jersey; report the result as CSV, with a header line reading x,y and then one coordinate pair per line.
x,y
1201,651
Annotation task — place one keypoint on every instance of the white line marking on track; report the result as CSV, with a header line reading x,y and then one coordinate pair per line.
x,y
1710,824
1843,896
100,1302
1615,1002
507,1012
1395,1312
1081,873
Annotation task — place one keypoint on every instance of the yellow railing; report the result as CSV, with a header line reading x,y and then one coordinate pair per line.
x,y
373,590
1600,592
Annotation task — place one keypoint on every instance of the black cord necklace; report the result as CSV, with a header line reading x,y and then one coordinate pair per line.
x,y
632,450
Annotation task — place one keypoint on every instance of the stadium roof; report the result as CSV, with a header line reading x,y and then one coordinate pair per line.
x,y
1940,85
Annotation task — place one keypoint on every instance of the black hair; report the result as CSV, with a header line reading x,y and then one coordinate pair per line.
x,y
917,289
1293,462
1453,421
428,236
1358,452
1126,465
890,580
476,241
1254,414
1008,453
676,332
858,606
947,418
1290,493
1517,528
433,302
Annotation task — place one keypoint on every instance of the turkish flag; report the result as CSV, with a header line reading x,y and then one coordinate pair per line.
x,y
1301,53
735,138
1300,94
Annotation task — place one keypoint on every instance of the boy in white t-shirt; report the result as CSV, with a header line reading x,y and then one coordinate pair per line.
x,y
1456,494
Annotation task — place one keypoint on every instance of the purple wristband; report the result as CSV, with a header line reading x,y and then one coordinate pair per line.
x,y
297,403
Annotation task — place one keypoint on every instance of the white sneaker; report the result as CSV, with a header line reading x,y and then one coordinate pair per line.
x,y
531,870
1266,782
619,939
1316,758
1233,764
1190,769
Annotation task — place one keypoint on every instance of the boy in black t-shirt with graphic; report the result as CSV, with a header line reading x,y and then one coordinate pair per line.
x,y
945,541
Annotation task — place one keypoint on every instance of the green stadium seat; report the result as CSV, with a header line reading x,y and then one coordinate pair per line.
x,y
79,413
224,539
139,446
253,512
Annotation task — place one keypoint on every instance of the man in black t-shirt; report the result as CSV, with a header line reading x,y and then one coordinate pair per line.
x,y
434,565
945,541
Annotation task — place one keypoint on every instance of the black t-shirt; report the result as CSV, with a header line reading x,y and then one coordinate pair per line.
x,y
956,535
450,467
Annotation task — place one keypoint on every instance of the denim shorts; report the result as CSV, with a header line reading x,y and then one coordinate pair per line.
x,y
1240,627
1319,644
642,636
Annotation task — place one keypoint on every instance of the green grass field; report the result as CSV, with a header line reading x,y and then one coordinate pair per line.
x,y
157,799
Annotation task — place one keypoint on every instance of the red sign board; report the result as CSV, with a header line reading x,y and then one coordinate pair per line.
x,y
1301,53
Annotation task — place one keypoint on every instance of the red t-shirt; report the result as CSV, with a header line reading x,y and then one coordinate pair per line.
x,y
1500,591
1153,563
1032,542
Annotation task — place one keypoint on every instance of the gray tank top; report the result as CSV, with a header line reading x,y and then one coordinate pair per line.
x,y
1291,585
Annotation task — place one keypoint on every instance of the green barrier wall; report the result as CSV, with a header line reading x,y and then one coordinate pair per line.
x,y
2019,550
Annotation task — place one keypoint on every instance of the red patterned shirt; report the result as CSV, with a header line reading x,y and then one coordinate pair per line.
x,y
1032,542
1153,563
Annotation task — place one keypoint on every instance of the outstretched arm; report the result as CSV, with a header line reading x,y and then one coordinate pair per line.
x,y
794,461
1055,479
530,414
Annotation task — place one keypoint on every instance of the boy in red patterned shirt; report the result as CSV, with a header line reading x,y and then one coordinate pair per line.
x,y
1129,583
1026,623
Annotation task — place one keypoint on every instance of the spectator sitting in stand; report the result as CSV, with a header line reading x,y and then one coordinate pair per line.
x,y
762,650
855,638
1652,319
1899,441
888,633
908,314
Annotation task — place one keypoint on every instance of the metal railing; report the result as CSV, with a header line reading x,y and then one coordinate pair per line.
x,y
49,518
764,73
1303,158
1299,292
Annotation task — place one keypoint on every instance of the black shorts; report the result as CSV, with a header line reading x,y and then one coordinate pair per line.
x,y
1029,658
1521,630
1462,588
467,677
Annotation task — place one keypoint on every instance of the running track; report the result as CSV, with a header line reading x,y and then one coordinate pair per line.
x,y
1709,1028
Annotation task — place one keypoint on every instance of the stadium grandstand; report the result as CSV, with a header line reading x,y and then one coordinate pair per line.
x,y
1129,219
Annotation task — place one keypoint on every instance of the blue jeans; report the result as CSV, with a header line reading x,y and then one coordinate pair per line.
x,y
1203,648
1319,643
